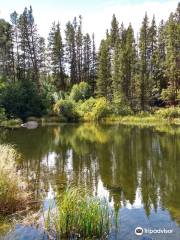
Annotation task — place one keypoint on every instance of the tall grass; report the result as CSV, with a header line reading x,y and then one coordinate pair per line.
x,y
12,197
79,215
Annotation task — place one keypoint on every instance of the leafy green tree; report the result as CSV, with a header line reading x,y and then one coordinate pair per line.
x,y
81,91
22,100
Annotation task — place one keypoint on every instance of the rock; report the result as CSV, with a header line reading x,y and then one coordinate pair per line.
x,y
30,125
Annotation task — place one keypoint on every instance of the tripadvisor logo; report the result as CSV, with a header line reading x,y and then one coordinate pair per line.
x,y
139,231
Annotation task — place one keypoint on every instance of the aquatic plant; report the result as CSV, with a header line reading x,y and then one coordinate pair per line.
x,y
78,214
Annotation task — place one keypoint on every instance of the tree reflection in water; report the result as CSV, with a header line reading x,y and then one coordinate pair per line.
x,y
131,166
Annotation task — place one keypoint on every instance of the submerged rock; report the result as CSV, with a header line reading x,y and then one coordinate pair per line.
x,y
30,125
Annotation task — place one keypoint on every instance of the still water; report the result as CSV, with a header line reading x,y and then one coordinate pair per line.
x,y
136,169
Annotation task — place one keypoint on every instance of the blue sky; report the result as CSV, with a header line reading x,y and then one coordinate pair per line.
x,y
96,13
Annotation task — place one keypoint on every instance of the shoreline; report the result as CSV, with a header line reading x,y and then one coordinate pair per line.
x,y
133,120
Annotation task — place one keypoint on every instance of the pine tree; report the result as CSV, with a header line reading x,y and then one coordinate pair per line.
x,y
130,67
6,52
33,39
71,51
154,81
28,44
56,51
93,70
117,74
144,63
177,19
42,59
161,56
172,59
14,21
86,58
79,49
114,32
103,84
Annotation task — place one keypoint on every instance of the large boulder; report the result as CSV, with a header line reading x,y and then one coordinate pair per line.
x,y
30,124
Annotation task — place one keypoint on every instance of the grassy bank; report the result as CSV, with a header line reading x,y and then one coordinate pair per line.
x,y
13,194
150,120
163,116
12,123
78,215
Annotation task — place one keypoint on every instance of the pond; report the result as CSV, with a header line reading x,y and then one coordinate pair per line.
x,y
136,169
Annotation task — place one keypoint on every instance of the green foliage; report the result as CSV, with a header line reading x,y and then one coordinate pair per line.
x,y
2,114
172,112
86,107
94,109
101,109
80,91
11,123
56,50
79,214
121,107
66,110
170,94
22,100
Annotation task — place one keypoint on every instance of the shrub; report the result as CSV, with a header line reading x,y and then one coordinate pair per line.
x,y
86,107
14,123
22,100
80,91
66,109
79,215
2,114
172,112
101,108
121,107
170,95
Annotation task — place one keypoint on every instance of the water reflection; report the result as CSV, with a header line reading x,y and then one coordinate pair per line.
x,y
134,168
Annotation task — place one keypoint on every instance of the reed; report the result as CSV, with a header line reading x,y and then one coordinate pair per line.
x,y
12,195
78,214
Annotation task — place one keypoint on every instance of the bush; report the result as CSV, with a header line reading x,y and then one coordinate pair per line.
x,y
120,107
11,123
2,114
170,95
86,107
66,109
22,100
101,108
80,91
172,112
